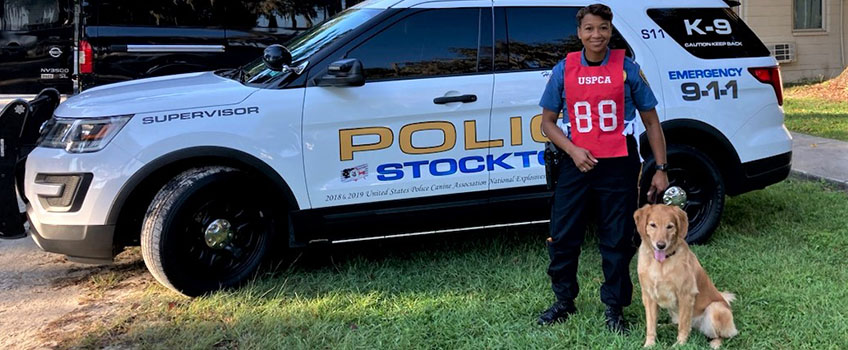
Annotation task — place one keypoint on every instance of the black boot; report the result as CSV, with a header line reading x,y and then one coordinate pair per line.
x,y
558,312
615,320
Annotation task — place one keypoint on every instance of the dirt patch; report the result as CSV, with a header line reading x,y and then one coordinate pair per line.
x,y
48,301
835,89
102,308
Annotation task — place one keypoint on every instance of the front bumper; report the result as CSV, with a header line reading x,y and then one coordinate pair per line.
x,y
90,244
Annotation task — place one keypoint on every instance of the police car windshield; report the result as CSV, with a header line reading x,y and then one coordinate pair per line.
x,y
309,42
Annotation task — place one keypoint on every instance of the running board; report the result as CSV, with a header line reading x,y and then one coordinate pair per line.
x,y
422,233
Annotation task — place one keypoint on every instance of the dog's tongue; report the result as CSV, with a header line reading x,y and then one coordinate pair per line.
x,y
659,255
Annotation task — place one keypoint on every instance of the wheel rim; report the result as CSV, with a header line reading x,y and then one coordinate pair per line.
x,y
225,257
694,179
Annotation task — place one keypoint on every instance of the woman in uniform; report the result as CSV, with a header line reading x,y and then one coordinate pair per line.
x,y
600,90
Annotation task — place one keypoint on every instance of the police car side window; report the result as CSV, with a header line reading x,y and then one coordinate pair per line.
x,y
425,44
536,38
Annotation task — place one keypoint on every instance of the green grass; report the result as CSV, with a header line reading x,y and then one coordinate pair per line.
x,y
781,250
817,117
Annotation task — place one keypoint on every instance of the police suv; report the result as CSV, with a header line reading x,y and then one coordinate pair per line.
x,y
395,117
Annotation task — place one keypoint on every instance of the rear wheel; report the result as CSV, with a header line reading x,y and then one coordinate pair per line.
x,y
208,228
698,175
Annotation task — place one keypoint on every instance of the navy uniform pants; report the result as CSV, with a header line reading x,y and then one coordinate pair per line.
x,y
612,186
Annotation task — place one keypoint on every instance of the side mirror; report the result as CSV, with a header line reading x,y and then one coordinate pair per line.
x,y
276,57
346,72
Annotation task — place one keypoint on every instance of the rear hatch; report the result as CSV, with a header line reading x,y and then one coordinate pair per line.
x,y
36,46
731,49
714,69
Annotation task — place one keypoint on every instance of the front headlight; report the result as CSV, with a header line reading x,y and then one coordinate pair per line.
x,y
82,135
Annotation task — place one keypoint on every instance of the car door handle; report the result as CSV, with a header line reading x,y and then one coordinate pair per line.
x,y
449,99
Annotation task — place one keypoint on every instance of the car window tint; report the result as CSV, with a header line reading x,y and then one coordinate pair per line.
x,y
536,38
709,33
29,14
262,16
426,43
161,13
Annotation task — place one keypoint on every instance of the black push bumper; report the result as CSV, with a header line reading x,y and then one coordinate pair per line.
x,y
85,244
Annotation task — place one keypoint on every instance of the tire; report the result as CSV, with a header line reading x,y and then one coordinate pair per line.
x,y
174,232
699,176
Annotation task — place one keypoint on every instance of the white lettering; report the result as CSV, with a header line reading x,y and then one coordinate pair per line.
x,y
690,27
722,26
594,80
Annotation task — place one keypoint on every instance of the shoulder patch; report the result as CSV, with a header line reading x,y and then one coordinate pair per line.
x,y
642,74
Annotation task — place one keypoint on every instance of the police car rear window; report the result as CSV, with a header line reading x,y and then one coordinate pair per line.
x,y
709,32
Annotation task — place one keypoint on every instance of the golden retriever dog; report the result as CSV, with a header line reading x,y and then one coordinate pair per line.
x,y
672,278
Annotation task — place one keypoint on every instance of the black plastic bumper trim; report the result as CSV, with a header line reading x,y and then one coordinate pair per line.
x,y
767,171
89,244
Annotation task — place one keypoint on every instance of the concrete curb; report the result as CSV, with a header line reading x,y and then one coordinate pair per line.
x,y
842,185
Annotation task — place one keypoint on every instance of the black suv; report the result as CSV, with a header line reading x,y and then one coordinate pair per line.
x,y
119,40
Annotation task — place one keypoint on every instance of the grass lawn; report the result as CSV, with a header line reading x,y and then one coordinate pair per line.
x,y
781,250
817,117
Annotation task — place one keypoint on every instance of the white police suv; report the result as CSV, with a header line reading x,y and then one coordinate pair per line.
x,y
395,117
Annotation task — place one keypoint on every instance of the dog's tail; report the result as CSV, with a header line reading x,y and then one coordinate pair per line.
x,y
728,297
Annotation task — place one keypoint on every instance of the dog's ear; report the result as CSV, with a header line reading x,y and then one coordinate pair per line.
x,y
682,222
641,219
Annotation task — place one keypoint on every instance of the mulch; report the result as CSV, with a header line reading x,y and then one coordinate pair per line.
x,y
835,89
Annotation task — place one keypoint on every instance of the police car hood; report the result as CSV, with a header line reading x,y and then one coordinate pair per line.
x,y
172,92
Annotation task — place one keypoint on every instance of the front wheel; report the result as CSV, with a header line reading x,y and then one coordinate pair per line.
x,y
208,228
698,175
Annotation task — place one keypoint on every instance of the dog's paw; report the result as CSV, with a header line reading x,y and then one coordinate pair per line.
x,y
649,343
715,343
679,342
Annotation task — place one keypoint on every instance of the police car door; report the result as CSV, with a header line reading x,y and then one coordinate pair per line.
x,y
529,42
419,125
530,39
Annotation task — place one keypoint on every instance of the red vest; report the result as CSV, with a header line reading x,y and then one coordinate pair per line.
x,y
595,104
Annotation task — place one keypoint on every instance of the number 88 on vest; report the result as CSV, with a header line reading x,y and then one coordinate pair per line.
x,y
595,101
